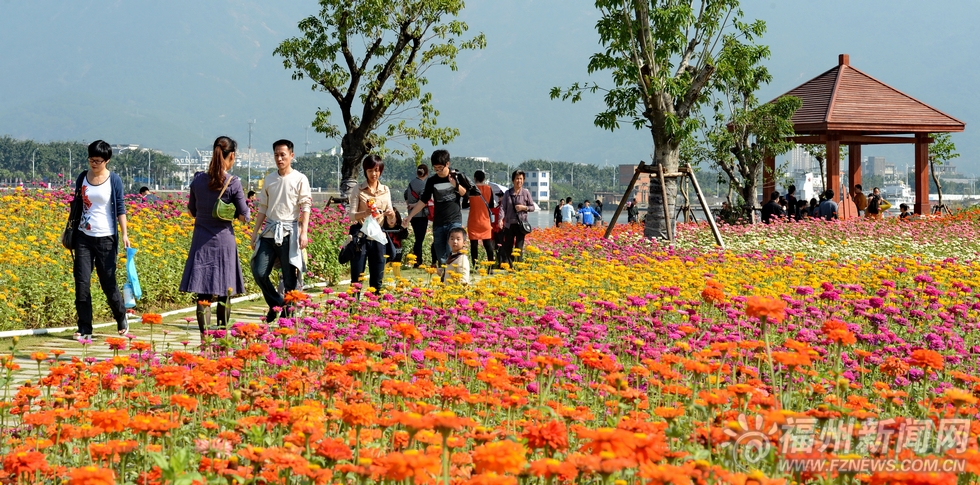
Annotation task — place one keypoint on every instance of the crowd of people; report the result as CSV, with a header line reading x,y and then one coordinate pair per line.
x,y
497,223
870,206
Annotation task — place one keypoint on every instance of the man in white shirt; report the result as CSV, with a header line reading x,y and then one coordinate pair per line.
x,y
567,211
284,206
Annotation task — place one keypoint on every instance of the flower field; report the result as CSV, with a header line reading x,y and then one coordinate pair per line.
x,y
36,286
592,362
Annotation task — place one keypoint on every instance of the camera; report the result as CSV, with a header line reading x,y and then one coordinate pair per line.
x,y
461,179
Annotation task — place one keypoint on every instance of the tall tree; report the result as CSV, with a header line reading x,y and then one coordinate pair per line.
x,y
750,132
372,57
661,54
941,150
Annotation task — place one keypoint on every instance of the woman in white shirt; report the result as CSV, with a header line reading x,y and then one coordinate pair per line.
x,y
96,244
371,199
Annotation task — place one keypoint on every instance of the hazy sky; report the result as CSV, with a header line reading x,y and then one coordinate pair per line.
x,y
177,74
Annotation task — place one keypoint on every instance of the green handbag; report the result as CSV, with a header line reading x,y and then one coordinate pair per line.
x,y
224,210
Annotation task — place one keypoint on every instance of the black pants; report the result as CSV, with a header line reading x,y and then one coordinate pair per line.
x,y
513,238
99,253
419,226
372,254
475,253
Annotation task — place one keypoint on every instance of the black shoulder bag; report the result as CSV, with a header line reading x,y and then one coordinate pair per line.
x,y
522,224
74,216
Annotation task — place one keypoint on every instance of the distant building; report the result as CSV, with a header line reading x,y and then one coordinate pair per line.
x,y
538,182
873,166
121,147
642,188
801,161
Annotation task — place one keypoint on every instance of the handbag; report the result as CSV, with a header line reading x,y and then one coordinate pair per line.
x,y
131,290
353,247
222,210
522,224
74,216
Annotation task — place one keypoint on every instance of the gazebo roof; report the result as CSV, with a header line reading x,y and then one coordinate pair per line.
x,y
846,100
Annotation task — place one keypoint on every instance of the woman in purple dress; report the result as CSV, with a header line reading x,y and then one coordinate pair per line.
x,y
213,270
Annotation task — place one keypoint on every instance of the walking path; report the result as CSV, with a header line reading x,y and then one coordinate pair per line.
x,y
177,331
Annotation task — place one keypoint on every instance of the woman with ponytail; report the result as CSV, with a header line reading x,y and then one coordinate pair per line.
x,y
213,271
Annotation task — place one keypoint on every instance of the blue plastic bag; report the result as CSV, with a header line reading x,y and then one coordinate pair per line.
x,y
132,279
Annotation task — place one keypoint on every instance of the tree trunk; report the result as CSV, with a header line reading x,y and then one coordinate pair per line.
x,y
354,150
666,152
939,188
749,187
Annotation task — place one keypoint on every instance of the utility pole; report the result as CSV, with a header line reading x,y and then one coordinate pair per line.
x,y
250,123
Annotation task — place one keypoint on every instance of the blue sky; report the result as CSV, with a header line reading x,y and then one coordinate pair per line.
x,y
181,73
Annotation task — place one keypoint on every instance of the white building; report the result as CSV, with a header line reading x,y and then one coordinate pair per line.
x,y
538,182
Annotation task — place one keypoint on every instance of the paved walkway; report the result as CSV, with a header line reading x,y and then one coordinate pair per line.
x,y
178,330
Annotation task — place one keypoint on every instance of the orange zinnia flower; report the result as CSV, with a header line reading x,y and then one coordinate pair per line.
x,y
499,457
492,478
927,359
295,296
411,464
958,397
713,292
552,435
551,467
91,475
110,420
669,413
334,449
152,318
619,442
360,414
24,463
446,421
773,309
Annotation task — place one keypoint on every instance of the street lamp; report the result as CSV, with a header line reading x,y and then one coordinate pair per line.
x,y
187,165
149,175
33,175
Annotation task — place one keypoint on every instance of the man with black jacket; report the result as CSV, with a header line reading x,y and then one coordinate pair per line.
x,y
772,208
446,191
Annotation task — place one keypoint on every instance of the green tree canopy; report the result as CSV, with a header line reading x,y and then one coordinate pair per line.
x,y
661,55
372,58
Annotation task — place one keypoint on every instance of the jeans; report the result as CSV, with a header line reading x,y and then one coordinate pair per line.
x,y
513,238
373,255
262,263
419,226
440,241
99,253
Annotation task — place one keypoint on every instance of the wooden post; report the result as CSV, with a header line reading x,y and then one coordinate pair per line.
x,y
629,190
833,167
704,206
768,178
663,192
854,164
849,209
921,174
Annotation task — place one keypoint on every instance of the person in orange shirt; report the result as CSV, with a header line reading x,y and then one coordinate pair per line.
x,y
478,223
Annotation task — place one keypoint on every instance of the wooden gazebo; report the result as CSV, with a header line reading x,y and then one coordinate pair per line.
x,y
847,106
